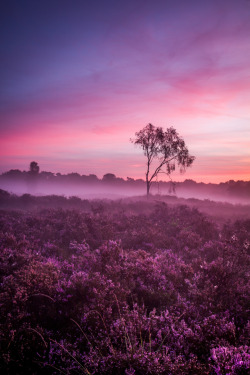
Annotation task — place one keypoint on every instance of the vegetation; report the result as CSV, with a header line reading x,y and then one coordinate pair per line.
x,y
122,287
167,148
34,168
21,182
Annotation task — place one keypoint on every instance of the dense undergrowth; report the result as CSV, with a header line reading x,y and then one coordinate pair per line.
x,y
123,288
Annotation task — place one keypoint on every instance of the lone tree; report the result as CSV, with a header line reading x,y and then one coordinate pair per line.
x,y
32,176
34,168
163,150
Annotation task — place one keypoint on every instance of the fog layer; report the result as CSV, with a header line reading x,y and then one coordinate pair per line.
x,y
112,188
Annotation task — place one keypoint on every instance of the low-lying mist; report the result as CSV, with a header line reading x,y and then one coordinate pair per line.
x,y
232,192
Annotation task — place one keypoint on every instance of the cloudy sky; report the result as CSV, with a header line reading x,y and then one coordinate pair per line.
x,y
79,78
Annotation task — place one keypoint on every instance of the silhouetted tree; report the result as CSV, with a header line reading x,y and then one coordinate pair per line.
x,y
32,176
163,150
109,177
34,168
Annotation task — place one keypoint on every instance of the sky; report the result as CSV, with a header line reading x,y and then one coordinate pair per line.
x,y
79,78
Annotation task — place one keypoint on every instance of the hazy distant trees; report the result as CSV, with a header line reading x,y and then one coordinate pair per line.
x,y
13,173
163,150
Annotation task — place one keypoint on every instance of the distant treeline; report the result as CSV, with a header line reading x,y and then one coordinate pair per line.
x,y
70,177
228,189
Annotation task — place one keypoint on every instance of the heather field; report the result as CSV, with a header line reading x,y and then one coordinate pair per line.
x,y
125,287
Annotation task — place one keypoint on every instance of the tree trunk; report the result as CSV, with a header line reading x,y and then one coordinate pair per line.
x,y
148,187
147,179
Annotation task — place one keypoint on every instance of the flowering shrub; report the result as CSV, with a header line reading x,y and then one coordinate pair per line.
x,y
230,360
123,292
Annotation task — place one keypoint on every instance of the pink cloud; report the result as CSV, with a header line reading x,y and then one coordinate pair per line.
x,y
184,65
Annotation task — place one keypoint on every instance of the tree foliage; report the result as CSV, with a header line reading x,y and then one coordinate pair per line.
x,y
166,148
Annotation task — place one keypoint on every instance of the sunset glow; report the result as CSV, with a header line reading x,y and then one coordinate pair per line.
x,y
79,78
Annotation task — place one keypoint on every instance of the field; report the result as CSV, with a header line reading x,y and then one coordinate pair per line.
x,y
125,287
